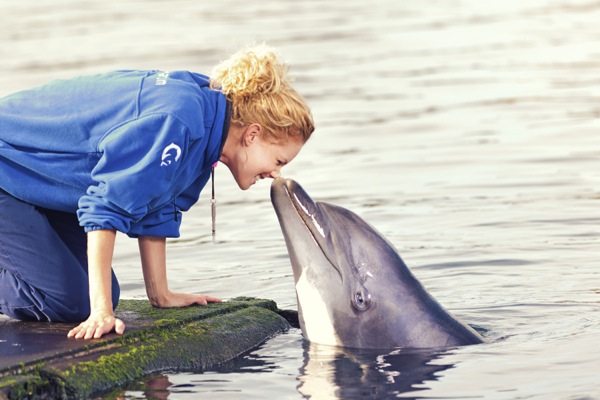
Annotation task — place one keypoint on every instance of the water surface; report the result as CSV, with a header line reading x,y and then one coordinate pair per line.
x,y
465,131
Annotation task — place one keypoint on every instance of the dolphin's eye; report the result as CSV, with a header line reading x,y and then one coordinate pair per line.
x,y
361,300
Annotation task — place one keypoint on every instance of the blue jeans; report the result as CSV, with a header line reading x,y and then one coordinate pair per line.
x,y
43,264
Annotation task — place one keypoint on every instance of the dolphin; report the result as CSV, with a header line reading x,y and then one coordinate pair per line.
x,y
352,287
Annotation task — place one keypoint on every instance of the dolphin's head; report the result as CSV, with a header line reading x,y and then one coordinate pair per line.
x,y
348,276
353,288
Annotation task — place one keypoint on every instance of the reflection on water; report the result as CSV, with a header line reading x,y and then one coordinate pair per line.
x,y
327,373
332,373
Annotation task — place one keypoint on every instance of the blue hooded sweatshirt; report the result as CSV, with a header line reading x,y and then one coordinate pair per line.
x,y
127,150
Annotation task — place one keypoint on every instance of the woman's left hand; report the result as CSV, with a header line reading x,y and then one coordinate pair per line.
x,y
184,300
154,266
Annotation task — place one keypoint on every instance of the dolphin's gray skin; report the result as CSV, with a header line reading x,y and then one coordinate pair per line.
x,y
353,289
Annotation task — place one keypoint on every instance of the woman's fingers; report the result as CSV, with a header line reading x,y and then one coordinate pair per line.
x,y
203,299
95,328
210,299
119,326
186,299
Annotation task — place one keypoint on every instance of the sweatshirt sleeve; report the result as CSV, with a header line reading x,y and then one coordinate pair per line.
x,y
134,175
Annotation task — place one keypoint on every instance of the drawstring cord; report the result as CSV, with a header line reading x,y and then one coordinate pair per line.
x,y
213,202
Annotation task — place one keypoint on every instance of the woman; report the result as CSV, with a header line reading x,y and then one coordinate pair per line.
x,y
127,151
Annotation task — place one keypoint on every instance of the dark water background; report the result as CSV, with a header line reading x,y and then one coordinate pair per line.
x,y
466,131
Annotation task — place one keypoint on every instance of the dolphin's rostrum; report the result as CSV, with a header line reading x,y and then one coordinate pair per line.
x,y
352,287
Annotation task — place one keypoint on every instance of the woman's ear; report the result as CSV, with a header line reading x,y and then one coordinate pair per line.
x,y
251,134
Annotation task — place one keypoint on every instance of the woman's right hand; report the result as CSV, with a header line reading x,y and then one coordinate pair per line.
x,y
101,244
97,324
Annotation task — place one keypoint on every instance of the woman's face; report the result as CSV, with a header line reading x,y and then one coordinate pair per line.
x,y
260,158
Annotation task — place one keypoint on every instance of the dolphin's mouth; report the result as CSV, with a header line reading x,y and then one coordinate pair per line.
x,y
305,208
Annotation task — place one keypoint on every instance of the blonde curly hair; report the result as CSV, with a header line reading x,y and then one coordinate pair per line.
x,y
255,81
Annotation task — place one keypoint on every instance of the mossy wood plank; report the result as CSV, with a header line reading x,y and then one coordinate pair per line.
x,y
193,338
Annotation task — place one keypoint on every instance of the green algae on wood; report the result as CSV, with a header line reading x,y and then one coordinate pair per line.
x,y
141,310
192,338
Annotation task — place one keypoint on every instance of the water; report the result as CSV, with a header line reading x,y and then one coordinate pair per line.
x,y
465,131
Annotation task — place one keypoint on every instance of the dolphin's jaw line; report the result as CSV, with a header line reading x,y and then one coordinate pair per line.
x,y
298,205
301,212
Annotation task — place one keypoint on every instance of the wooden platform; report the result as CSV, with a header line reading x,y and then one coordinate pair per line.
x,y
38,361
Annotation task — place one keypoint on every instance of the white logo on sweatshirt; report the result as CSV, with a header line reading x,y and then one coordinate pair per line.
x,y
161,78
170,154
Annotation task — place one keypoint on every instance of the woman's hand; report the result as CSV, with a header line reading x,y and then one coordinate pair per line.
x,y
101,244
154,266
183,300
96,325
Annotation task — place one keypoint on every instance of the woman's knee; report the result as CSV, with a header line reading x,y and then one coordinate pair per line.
x,y
20,300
